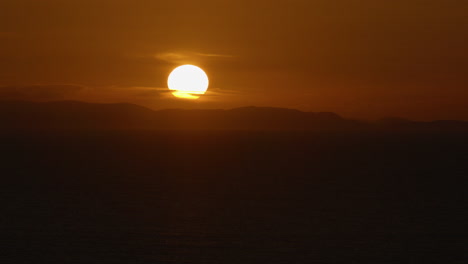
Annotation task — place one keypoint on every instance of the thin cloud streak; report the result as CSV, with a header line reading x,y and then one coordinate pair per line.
x,y
187,57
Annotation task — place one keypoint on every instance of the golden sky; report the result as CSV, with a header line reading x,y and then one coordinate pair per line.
x,y
361,59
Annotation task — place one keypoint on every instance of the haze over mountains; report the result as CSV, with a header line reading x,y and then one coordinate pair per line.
x,y
81,115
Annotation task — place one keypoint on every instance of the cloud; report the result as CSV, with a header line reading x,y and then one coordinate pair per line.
x,y
153,97
221,92
165,93
39,92
213,55
147,92
189,57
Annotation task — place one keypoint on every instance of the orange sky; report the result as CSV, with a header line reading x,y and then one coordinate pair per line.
x,y
362,59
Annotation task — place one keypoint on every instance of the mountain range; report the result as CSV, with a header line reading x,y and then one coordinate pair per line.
x,y
81,115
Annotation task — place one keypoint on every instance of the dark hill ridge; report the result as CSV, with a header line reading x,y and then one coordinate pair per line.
x,y
81,115
72,114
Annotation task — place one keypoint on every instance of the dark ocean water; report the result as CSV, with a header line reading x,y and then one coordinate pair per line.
x,y
233,197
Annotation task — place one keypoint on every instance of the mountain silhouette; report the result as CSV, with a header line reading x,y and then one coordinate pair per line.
x,y
81,115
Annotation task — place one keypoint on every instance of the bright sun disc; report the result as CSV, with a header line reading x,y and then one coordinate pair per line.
x,y
188,81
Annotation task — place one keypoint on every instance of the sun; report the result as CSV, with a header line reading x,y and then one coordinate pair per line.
x,y
188,82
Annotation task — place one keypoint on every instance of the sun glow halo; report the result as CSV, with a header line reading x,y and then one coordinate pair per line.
x,y
188,82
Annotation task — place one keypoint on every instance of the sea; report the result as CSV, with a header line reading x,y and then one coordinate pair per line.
x,y
237,197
